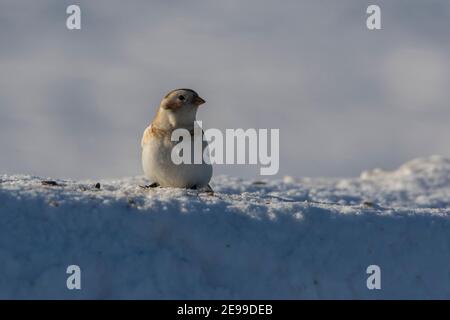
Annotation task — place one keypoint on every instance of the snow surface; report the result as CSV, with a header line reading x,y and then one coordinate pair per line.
x,y
294,238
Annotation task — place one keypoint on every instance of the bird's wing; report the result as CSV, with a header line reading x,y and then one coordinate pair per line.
x,y
153,132
146,136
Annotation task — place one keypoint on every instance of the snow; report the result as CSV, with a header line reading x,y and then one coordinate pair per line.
x,y
262,239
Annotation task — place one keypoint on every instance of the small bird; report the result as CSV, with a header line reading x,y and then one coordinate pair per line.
x,y
178,109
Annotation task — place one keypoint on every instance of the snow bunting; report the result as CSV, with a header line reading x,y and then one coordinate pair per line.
x,y
178,109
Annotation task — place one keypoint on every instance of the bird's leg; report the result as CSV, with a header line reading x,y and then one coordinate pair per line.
x,y
153,185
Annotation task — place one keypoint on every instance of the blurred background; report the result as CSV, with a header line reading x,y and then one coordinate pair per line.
x,y
73,104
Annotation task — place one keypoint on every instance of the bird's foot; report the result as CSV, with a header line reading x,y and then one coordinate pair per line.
x,y
209,190
149,186
206,189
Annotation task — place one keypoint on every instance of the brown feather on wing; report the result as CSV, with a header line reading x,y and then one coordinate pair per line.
x,y
146,136
152,132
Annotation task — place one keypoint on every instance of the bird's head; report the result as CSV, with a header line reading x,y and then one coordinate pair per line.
x,y
178,109
179,99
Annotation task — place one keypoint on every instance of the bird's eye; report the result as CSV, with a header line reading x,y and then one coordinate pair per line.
x,y
182,98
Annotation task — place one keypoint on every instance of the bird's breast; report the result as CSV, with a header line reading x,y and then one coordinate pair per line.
x,y
159,167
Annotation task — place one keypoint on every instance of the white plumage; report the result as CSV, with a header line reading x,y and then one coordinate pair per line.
x,y
177,110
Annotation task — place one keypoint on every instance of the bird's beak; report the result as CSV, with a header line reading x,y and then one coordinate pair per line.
x,y
198,101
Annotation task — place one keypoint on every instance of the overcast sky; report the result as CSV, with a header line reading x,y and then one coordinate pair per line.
x,y
73,104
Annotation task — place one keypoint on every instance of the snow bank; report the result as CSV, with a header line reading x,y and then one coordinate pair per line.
x,y
295,238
